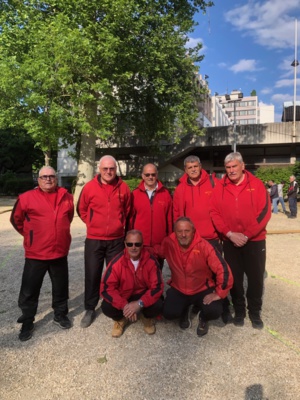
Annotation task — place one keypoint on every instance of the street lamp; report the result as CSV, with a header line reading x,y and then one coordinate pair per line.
x,y
234,97
295,64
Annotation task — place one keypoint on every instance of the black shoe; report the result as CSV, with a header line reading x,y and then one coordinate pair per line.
x,y
26,331
185,320
202,327
226,316
88,318
292,216
238,320
62,321
256,321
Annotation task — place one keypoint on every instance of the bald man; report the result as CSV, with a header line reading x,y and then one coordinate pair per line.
x,y
103,205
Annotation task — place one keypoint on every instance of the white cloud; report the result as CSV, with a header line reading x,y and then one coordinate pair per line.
x,y
271,23
280,98
266,91
262,104
286,83
222,65
244,66
193,42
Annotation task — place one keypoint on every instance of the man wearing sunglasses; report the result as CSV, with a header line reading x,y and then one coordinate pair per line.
x,y
151,210
132,285
43,217
199,276
104,206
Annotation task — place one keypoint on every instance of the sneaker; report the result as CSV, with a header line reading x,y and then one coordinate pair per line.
x,y
26,331
238,320
62,321
185,319
226,316
149,325
88,318
118,327
202,327
256,321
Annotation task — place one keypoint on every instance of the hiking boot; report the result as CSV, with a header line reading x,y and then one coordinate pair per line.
x,y
88,318
62,321
118,328
226,316
238,320
256,321
202,327
149,325
26,331
185,319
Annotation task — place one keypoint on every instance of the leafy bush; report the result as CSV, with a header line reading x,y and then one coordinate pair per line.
x,y
12,184
132,182
276,174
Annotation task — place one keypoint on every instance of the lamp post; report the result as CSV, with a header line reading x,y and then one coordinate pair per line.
x,y
234,97
295,64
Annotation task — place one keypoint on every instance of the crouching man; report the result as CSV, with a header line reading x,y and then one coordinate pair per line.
x,y
199,276
132,285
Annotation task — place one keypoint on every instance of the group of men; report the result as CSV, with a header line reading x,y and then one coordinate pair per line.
x,y
133,233
276,195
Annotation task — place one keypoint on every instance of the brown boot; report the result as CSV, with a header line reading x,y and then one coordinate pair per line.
x,y
118,328
149,326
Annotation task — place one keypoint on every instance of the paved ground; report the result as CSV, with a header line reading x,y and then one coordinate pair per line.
x,y
228,364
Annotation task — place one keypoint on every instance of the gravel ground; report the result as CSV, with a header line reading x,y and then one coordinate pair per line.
x,y
227,364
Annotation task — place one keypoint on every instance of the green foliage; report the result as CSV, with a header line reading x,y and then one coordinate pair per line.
x,y
253,93
76,67
12,184
296,171
276,174
132,182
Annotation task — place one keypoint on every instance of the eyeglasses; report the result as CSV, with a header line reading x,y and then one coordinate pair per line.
x,y
108,169
45,177
147,175
138,244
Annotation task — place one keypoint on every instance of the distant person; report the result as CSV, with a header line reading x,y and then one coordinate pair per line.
x,y
151,209
292,196
280,196
199,276
132,286
240,210
104,206
43,217
274,196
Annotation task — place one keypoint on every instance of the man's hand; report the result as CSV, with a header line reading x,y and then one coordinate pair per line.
x,y
131,310
209,298
238,239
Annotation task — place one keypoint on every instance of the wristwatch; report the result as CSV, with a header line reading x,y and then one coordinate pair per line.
x,y
141,303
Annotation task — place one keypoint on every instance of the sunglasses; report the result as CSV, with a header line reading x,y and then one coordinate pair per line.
x,y
108,169
45,177
147,175
138,244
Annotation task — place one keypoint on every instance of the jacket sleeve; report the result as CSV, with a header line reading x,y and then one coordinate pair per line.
x,y
71,208
178,200
263,213
83,205
109,289
216,215
222,271
132,214
170,216
17,217
155,284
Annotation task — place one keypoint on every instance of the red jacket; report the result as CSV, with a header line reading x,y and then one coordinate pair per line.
x,y
199,268
245,208
120,280
153,218
104,215
193,202
46,230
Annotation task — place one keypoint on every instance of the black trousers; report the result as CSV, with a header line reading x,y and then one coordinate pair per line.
x,y
250,260
293,206
32,280
177,302
95,252
148,312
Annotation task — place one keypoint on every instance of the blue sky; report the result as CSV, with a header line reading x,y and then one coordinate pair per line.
x,y
250,45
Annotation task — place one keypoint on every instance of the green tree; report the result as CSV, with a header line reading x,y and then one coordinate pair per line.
x,y
253,92
78,69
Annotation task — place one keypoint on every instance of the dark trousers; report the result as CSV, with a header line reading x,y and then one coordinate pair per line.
x,y
176,304
95,252
148,312
293,206
32,280
250,260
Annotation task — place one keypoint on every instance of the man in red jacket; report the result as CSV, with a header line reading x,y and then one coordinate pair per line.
x,y
151,210
240,210
199,276
132,285
104,206
43,217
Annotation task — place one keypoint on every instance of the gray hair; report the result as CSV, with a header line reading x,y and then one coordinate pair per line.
x,y
109,158
191,159
48,167
232,157
184,219
134,232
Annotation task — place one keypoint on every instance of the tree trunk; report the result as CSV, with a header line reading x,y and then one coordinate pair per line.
x,y
47,155
86,163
